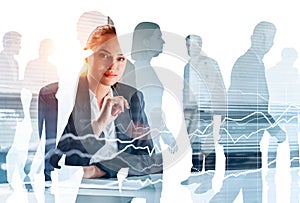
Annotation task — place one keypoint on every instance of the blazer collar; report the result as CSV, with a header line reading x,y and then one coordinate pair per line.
x,y
82,109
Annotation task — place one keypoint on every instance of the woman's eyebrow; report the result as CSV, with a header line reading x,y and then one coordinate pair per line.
x,y
102,50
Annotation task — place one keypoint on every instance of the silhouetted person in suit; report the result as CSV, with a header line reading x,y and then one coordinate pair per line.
x,y
284,83
147,44
15,103
41,71
8,65
204,96
10,98
248,118
38,73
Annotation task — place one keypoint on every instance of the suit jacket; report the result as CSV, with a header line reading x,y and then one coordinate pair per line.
x,y
248,86
79,144
248,100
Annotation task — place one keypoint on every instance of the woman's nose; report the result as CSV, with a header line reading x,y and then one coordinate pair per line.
x,y
112,64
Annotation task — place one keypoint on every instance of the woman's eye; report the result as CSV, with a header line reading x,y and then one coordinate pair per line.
x,y
121,59
103,56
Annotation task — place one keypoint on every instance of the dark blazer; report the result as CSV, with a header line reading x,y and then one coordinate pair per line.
x,y
79,143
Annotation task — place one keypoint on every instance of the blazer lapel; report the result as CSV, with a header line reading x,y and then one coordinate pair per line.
x,y
123,121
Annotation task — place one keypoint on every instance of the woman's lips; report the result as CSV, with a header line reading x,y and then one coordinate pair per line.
x,y
110,75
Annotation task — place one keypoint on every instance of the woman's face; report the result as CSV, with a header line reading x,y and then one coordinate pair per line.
x,y
107,64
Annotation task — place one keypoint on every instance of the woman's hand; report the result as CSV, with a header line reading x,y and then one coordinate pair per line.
x,y
92,172
111,108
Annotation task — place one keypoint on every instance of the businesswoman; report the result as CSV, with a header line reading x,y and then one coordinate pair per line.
x,y
107,129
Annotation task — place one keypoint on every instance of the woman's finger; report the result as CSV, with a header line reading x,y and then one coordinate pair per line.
x,y
119,104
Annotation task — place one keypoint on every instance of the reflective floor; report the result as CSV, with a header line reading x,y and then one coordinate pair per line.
x,y
280,184
268,185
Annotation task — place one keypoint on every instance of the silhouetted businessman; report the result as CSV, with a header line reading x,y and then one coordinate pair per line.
x,y
284,84
248,118
204,96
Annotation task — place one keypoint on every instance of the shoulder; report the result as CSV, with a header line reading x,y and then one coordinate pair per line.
x,y
249,56
247,60
2,54
32,63
49,91
126,91
47,101
3,59
210,61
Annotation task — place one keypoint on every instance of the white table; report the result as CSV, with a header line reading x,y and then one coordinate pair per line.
x,y
107,190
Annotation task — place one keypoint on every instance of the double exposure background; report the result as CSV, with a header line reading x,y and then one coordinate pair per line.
x,y
258,128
